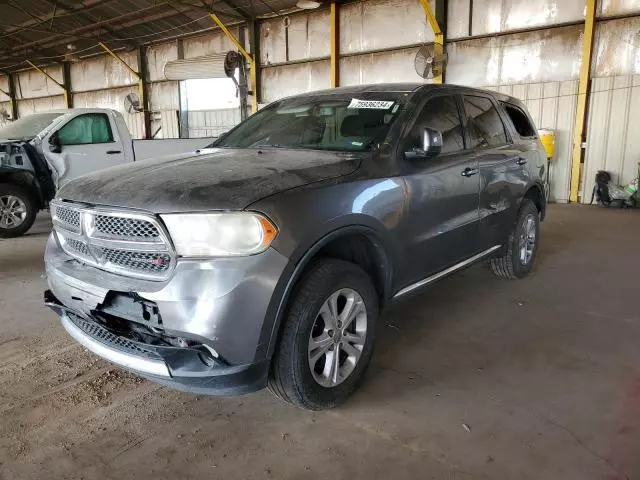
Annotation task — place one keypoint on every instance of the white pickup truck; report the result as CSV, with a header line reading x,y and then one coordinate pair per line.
x,y
41,152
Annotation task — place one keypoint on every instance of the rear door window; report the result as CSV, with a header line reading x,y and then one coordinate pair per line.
x,y
520,121
485,125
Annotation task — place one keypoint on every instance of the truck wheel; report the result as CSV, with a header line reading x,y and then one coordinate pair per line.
x,y
327,338
17,210
522,245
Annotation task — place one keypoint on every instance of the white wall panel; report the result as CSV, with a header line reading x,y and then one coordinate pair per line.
x,y
287,80
458,19
531,57
607,8
212,123
113,98
164,96
552,105
215,42
308,38
4,86
103,72
5,107
617,48
379,24
491,16
33,84
158,56
613,143
393,66
37,105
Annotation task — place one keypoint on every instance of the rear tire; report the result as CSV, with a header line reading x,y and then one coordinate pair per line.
x,y
521,248
333,309
17,210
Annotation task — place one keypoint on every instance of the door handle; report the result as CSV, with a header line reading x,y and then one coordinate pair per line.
x,y
468,172
113,152
521,161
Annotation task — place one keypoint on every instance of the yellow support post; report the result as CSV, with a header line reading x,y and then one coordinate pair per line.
x,y
583,90
335,45
250,59
67,93
439,36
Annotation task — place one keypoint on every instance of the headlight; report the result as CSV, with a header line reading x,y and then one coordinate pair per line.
x,y
219,234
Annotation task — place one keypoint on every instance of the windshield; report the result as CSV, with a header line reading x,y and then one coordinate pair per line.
x,y
27,127
327,122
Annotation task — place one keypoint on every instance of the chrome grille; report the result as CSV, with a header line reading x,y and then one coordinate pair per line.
x,y
78,246
143,261
124,242
125,227
67,216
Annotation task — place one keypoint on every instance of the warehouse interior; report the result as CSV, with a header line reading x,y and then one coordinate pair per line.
x,y
475,378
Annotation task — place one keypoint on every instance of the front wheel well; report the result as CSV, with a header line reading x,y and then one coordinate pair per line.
x,y
363,250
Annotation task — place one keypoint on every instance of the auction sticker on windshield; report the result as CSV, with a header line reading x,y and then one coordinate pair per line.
x,y
373,104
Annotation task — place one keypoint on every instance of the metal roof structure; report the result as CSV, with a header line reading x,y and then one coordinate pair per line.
x,y
44,31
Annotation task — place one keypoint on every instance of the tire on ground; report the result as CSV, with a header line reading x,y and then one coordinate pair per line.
x,y
509,265
27,198
290,378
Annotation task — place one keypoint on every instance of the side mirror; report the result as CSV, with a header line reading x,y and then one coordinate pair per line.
x,y
54,143
427,145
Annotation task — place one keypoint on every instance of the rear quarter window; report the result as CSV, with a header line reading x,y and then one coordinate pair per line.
x,y
520,120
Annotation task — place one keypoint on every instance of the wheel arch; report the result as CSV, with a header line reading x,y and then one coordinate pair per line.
x,y
536,194
334,244
24,180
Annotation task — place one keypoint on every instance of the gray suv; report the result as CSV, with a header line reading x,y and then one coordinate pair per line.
x,y
265,258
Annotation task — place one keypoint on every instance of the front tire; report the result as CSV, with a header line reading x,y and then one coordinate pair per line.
x,y
522,245
327,338
17,210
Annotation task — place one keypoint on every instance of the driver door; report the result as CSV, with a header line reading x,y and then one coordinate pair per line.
x,y
442,224
86,143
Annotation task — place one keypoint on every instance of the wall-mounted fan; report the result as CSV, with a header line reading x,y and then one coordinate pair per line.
x,y
132,103
429,64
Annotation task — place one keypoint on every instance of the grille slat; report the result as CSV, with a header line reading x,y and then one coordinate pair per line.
x,y
125,227
145,261
128,243
78,246
68,216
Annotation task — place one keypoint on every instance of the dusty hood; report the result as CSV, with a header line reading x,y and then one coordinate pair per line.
x,y
211,180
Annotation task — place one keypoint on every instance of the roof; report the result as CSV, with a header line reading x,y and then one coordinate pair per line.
x,y
41,30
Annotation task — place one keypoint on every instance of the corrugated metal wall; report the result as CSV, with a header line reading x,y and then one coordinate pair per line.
x,y
212,123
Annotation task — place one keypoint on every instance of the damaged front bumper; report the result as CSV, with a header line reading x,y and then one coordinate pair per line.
x,y
215,312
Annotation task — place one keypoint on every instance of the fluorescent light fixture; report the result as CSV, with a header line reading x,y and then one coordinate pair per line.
x,y
307,4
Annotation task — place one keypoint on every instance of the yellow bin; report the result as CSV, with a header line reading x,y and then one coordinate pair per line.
x,y
548,139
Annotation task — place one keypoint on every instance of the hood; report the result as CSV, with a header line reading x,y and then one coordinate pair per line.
x,y
213,179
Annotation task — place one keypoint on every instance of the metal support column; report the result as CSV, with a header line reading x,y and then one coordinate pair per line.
x,y
143,91
65,88
254,42
66,78
335,45
249,58
12,96
439,35
579,131
142,87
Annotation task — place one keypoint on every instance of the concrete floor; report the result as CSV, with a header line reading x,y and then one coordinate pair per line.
x,y
476,378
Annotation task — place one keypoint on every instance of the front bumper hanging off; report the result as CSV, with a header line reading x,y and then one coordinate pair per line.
x,y
186,369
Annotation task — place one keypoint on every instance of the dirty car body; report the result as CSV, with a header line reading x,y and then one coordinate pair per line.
x,y
129,284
